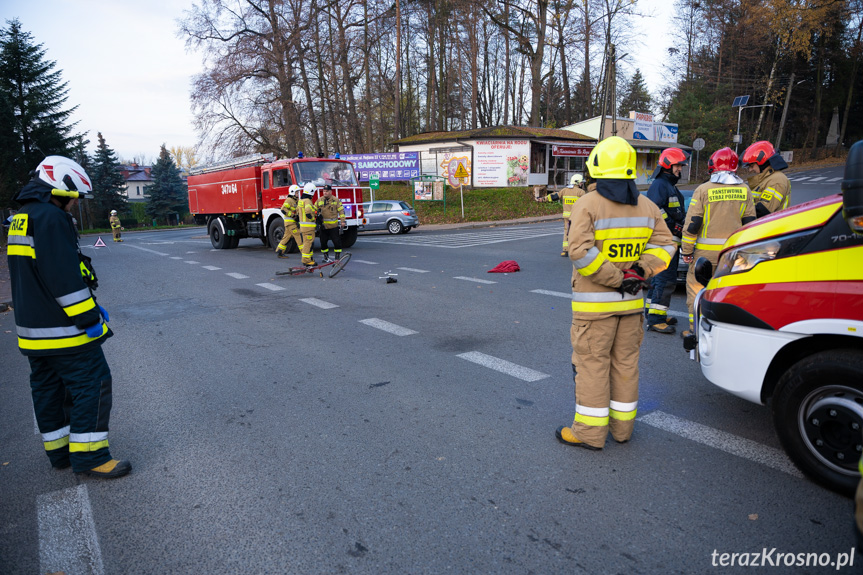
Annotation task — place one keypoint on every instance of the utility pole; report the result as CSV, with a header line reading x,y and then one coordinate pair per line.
x,y
784,112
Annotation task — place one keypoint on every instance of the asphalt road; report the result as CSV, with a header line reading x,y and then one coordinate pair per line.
x,y
311,425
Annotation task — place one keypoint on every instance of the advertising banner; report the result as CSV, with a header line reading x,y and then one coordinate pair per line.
x,y
569,151
390,167
666,133
500,163
643,128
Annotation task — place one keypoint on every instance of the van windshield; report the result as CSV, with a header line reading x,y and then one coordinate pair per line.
x,y
324,172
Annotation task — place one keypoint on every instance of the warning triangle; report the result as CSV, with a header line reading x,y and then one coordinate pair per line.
x,y
461,172
99,243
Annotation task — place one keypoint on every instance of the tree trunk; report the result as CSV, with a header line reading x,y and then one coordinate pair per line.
x,y
536,62
366,68
356,135
322,89
587,93
855,53
766,96
474,68
398,83
308,91
506,58
567,101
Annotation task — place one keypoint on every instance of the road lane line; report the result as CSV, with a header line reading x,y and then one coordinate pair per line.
x,y
414,270
191,262
67,533
799,179
388,327
318,303
477,280
503,366
176,258
723,441
211,268
818,179
553,293
237,276
271,287
146,250
833,180
365,262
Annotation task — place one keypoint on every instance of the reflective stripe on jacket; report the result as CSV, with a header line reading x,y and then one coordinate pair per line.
x,y
772,189
721,209
307,215
331,209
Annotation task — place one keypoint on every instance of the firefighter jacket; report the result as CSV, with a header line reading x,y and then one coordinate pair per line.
x,y
568,197
289,209
771,191
610,231
52,303
307,215
717,210
114,221
331,210
664,193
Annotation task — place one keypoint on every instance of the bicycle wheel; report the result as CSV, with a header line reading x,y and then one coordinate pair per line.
x,y
340,264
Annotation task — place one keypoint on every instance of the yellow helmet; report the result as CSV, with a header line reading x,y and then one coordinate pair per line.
x,y
612,159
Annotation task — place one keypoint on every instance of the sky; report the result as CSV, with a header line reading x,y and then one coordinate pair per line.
x,y
130,75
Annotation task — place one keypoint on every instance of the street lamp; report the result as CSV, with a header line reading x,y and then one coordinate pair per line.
x,y
740,104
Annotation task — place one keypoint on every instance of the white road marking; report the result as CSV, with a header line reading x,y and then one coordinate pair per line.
x,y
191,262
319,303
236,275
271,287
414,270
145,250
723,441
553,293
818,179
799,179
833,180
503,366
470,239
211,268
67,533
477,280
365,262
388,327
176,258
679,314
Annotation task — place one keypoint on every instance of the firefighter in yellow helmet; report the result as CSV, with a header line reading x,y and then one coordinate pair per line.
x,y
568,197
289,209
617,240
308,215
116,226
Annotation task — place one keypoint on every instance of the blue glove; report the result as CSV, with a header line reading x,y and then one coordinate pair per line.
x,y
104,313
94,330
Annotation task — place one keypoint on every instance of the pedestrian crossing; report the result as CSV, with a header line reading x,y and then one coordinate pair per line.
x,y
469,239
814,180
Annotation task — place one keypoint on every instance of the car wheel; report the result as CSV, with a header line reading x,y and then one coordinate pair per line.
x,y
406,230
818,415
394,227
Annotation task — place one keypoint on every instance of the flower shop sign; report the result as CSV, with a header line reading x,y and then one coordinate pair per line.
x,y
500,163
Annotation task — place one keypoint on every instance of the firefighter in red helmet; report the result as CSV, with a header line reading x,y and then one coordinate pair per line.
x,y
718,208
771,190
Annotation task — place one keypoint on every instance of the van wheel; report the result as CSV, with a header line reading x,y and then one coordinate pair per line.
x,y
217,238
818,415
394,227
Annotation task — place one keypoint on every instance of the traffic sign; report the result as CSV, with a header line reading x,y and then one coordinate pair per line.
x,y
698,144
461,171
374,181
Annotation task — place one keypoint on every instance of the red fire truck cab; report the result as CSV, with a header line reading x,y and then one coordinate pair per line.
x,y
241,198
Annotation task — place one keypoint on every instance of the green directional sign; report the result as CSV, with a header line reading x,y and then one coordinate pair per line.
x,y
374,181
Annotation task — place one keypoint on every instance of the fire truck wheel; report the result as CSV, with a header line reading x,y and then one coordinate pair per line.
x,y
276,232
217,238
349,237
818,415
233,242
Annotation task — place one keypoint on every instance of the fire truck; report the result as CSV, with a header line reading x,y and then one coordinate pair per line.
x,y
781,322
241,198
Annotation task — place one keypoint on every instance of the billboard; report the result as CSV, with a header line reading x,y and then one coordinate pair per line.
x,y
643,128
500,163
666,132
390,167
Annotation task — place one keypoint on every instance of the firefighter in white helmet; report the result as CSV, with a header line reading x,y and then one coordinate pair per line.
x,y
617,239
289,210
308,215
568,197
115,225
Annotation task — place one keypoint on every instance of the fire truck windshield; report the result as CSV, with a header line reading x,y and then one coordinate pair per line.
x,y
323,173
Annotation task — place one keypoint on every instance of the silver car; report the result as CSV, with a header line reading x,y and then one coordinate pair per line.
x,y
391,215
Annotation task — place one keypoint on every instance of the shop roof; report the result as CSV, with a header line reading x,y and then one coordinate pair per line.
x,y
526,132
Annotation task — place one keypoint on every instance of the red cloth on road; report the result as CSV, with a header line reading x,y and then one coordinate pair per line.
x,y
505,267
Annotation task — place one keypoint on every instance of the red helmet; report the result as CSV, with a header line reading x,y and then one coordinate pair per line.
x,y
672,156
724,160
758,153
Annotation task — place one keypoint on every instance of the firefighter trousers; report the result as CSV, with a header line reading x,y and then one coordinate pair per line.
x,y
692,285
72,401
291,231
116,232
565,235
605,360
331,234
662,285
306,247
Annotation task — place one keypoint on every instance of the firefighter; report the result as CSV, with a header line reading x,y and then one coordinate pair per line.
x,y
307,224
616,241
718,208
664,193
333,219
115,225
568,196
771,189
289,210
60,326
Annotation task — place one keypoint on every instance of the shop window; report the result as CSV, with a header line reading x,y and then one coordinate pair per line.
x,y
537,158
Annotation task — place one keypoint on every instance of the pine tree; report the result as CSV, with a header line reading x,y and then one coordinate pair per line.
x,y
167,194
108,183
636,97
33,121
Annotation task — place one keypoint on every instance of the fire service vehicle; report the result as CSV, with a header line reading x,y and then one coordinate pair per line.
x,y
241,198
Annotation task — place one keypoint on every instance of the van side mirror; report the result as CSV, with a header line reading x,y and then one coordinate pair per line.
x,y
852,189
703,270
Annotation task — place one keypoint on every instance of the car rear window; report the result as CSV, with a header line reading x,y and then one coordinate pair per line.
x,y
404,206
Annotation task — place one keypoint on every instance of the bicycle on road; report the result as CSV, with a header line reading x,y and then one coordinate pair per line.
x,y
335,265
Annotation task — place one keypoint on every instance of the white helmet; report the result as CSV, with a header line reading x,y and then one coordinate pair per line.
x,y
576,179
64,174
309,189
113,212
294,190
